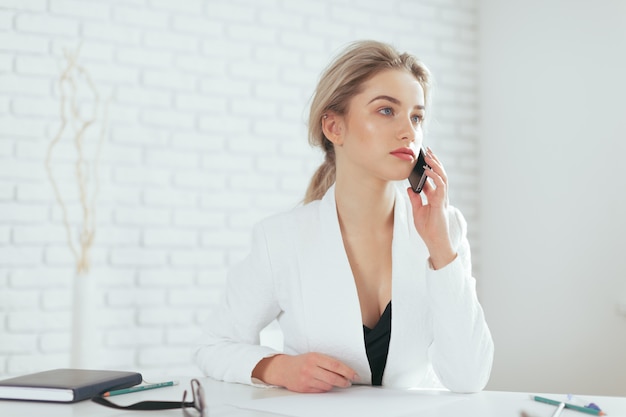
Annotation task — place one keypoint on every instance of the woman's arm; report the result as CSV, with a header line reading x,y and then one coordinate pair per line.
x,y
309,372
229,349
462,348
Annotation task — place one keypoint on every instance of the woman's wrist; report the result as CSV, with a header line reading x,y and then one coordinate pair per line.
x,y
263,370
441,257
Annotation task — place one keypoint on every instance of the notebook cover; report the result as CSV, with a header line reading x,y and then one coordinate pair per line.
x,y
66,385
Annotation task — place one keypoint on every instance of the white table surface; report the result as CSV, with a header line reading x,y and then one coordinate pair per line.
x,y
221,395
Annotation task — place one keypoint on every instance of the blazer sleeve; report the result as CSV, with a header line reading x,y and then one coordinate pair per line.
x,y
462,349
229,349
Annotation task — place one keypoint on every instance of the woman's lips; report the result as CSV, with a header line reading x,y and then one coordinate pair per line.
x,y
405,154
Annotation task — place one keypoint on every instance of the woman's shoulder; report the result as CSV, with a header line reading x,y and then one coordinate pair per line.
x,y
299,216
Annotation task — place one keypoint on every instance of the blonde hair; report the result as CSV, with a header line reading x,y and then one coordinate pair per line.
x,y
342,80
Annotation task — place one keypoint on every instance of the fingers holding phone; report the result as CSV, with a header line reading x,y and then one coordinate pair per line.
x,y
418,175
430,214
427,166
438,176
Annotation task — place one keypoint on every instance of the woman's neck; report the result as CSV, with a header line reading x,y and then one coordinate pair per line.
x,y
363,205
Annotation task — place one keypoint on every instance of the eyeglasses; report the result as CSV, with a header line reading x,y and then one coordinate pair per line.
x,y
199,402
197,394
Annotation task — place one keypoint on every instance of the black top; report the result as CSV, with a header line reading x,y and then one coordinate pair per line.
x,y
377,345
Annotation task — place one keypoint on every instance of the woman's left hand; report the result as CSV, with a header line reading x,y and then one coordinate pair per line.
x,y
431,217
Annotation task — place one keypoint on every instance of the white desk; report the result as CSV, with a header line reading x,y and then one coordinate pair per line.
x,y
221,395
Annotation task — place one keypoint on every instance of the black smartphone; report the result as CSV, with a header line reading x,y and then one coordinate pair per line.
x,y
418,175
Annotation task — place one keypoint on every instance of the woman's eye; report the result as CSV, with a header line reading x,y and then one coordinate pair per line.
x,y
387,111
416,118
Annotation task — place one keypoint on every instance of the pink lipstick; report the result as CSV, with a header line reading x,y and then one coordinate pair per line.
x,y
406,154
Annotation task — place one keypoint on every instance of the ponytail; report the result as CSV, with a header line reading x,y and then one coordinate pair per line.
x,y
322,180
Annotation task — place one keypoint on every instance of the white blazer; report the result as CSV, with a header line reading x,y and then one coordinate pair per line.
x,y
298,273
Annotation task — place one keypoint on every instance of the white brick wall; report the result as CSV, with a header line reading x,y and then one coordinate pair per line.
x,y
206,136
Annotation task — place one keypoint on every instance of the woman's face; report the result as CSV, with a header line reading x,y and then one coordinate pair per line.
x,y
383,127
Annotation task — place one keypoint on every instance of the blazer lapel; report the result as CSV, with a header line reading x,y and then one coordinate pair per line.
x,y
408,293
331,305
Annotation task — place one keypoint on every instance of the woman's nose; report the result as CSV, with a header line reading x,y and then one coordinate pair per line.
x,y
407,130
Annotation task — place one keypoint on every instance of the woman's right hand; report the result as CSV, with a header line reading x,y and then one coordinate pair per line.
x,y
309,372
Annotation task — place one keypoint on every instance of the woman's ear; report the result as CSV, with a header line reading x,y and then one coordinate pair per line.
x,y
332,126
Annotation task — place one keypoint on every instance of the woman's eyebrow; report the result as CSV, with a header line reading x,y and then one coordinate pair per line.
x,y
393,100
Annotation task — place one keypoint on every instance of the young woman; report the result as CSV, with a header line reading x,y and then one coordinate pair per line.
x,y
332,270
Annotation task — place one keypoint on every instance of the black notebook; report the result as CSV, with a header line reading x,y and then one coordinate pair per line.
x,y
66,385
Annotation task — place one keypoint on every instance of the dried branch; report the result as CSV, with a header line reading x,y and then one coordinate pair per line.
x,y
68,81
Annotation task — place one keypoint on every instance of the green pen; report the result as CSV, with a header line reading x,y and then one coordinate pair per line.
x,y
587,410
139,388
